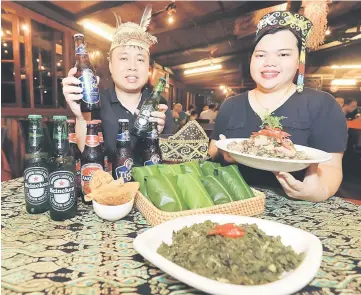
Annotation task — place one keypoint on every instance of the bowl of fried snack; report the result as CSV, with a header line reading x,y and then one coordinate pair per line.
x,y
112,199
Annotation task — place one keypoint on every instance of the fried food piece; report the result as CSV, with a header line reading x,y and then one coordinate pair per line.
x,y
99,178
114,193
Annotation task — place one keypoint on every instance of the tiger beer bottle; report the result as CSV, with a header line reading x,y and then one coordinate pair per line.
x,y
141,125
151,152
86,74
73,144
36,173
91,158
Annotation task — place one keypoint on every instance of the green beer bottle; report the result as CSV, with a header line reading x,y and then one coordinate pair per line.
x,y
141,125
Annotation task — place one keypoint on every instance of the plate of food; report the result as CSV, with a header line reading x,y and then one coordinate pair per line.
x,y
271,149
227,254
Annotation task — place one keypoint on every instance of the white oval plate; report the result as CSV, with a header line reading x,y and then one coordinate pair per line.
x,y
148,242
274,164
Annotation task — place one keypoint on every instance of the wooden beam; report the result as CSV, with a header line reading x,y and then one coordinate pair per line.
x,y
24,112
16,53
54,88
101,6
29,62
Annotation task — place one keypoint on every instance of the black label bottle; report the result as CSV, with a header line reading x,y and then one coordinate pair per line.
x,y
36,173
151,152
86,74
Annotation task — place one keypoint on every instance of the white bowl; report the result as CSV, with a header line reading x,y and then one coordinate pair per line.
x,y
113,213
274,164
148,242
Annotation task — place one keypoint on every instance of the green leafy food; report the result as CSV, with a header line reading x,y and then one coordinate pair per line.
x,y
233,181
193,192
272,121
139,173
191,167
173,169
208,167
252,259
216,190
164,193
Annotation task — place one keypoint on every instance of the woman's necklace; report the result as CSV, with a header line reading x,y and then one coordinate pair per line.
x,y
267,110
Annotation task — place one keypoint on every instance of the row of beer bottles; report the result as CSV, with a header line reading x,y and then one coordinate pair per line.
x,y
51,181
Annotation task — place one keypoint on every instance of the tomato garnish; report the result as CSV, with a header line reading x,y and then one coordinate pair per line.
x,y
228,230
276,133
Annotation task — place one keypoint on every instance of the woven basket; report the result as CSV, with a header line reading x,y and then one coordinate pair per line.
x,y
248,207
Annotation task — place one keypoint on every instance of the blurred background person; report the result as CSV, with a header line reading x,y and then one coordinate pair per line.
x,y
340,101
209,114
349,108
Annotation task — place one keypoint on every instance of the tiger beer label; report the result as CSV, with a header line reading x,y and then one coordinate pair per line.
x,y
36,185
152,134
124,171
86,174
72,138
62,190
106,163
142,122
124,136
92,140
154,160
78,173
81,49
100,135
88,82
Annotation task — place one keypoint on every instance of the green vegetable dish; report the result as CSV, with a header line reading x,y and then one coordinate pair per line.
x,y
241,255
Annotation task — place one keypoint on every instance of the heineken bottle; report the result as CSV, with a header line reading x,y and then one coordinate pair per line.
x,y
36,173
63,201
141,125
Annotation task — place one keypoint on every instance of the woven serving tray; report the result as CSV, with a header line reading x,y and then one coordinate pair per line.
x,y
248,207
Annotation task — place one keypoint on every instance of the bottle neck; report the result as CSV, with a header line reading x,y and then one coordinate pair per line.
x,y
123,137
60,137
36,136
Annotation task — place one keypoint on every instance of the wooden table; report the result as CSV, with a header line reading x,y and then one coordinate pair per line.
x,y
354,124
87,255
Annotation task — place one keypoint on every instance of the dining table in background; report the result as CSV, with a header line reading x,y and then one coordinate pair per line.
x,y
87,255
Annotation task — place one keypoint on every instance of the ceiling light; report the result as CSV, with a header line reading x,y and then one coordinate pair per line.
x,y
343,82
5,44
58,64
8,32
170,19
6,52
225,90
328,32
97,30
42,67
203,69
346,67
221,87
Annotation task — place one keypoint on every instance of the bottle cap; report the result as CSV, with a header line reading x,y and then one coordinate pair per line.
x,y
123,121
78,35
35,117
60,118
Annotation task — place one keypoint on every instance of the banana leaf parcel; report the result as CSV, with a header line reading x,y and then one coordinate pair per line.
x,y
139,173
216,190
208,167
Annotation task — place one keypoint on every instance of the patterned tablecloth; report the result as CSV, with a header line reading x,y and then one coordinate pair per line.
x,y
87,255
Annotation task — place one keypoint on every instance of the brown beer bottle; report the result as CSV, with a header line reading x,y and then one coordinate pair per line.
x,y
123,158
75,152
91,158
86,74
101,142
151,151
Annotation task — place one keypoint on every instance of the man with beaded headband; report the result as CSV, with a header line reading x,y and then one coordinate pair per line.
x,y
129,66
312,117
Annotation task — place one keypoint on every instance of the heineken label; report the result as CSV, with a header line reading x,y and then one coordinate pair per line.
x,y
36,185
124,171
92,140
154,160
142,122
62,190
124,136
86,174
88,82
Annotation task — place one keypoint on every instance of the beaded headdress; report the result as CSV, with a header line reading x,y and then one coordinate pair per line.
x,y
297,24
133,34
190,143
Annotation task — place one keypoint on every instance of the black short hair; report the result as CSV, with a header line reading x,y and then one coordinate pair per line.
x,y
274,31
191,107
212,106
348,101
193,113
